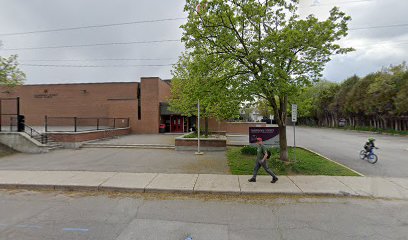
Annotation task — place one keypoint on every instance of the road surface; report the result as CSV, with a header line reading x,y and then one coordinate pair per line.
x,y
36,215
344,147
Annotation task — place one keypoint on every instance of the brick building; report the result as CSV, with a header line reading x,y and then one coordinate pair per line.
x,y
144,103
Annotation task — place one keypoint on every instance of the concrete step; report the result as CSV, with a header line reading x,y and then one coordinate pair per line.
x,y
140,146
54,147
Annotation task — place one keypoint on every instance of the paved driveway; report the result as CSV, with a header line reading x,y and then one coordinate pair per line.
x,y
344,147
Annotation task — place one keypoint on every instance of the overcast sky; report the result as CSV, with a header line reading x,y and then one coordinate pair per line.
x,y
376,47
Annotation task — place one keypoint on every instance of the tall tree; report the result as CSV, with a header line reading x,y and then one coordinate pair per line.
x,y
196,77
10,74
266,42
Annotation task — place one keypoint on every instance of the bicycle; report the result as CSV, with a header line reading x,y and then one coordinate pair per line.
x,y
370,156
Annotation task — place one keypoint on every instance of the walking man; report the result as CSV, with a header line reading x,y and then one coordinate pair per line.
x,y
261,160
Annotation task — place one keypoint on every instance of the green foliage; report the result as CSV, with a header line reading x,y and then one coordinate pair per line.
x,y
249,150
307,163
253,49
195,135
197,78
264,108
380,96
10,74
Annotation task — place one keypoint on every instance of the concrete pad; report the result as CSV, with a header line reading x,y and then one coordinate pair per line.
x,y
13,178
132,182
88,181
172,183
45,179
375,187
263,185
322,185
213,183
402,182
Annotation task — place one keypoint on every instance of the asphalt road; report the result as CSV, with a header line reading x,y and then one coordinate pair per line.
x,y
344,147
34,215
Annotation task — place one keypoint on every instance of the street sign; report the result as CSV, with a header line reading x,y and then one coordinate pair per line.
x,y
294,120
294,113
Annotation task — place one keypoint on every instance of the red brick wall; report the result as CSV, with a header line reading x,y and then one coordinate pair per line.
x,y
231,127
164,91
149,122
87,136
80,100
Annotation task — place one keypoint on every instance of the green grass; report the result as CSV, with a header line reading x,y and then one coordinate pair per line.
x,y
307,163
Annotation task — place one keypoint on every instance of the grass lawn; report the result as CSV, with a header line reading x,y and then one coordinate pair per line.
x,y
307,163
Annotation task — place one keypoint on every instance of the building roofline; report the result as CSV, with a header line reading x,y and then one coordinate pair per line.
x,y
54,84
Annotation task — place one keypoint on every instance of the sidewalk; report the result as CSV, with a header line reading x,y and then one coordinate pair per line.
x,y
389,188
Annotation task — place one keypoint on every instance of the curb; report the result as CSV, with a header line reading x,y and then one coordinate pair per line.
x,y
78,188
360,174
191,192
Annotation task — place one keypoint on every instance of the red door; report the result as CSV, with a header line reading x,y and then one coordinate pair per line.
x,y
176,124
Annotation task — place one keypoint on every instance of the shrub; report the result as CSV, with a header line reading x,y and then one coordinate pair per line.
x,y
249,150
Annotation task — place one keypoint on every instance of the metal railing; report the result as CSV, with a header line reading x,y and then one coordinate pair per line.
x,y
41,137
8,123
83,124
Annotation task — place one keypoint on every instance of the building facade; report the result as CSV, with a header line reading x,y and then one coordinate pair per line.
x,y
143,106
143,103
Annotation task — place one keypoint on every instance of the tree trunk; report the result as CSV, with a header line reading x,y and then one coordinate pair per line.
x,y
280,116
283,143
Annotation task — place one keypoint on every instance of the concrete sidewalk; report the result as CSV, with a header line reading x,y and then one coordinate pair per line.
x,y
390,188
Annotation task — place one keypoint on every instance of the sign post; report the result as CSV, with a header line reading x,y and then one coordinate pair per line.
x,y
198,131
294,120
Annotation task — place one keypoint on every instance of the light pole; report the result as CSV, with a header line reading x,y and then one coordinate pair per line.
x,y
198,131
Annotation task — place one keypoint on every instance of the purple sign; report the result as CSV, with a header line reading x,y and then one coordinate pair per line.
x,y
269,135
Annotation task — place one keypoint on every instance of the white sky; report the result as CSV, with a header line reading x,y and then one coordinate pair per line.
x,y
376,47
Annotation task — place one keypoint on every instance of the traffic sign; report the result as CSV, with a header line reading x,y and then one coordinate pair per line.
x,y
294,113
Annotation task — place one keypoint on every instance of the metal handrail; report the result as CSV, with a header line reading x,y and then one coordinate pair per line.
x,y
33,133
78,119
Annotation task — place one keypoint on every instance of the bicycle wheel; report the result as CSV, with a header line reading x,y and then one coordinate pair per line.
x,y
372,158
362,154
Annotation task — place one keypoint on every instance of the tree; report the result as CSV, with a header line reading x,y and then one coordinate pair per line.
x,y
198,78
325,94
272,50
10,74
339,102
263,108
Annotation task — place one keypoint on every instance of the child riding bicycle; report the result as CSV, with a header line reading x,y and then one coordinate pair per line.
x,y
369,146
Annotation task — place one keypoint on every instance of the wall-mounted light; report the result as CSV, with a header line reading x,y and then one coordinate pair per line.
x,y
84,91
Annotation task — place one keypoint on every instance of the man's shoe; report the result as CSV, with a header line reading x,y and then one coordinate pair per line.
x,y
274,180
252,180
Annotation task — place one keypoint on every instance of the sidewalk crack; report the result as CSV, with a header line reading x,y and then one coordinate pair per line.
x,y
144,189
239,184
198,175
295,184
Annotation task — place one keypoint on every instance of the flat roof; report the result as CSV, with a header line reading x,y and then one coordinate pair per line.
x,y
48,84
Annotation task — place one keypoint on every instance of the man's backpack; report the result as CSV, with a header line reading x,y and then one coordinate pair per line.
x,y
269,154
